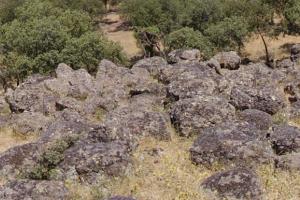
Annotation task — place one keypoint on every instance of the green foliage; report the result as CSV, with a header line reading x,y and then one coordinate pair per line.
x,y
292,15
41,36
228,34
188,38
87,50
51,158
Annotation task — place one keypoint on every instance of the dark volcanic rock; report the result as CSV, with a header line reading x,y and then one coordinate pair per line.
x,y
238,183
259,119
33,96
34,190
153,65
229,60
236,143
190,116
267,99
88,158
285,139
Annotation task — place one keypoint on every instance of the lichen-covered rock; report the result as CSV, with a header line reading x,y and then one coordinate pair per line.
x,y
182,55
135,120
237,183
118,84
285,139
259,119
229,60
34,190
268,99
88,158
29,122
236,143
153,65
32,96
285,63
190,116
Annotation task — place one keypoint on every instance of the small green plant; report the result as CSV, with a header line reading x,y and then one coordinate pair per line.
x,y
50,159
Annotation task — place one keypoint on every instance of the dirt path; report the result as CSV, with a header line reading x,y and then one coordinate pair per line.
x,y
115,29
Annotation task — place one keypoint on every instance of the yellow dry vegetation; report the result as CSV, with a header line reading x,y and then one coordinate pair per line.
x,y
9,139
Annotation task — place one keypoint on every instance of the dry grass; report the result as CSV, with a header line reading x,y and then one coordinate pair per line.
x,y
280,184
169,175
124,37
9,139
279,47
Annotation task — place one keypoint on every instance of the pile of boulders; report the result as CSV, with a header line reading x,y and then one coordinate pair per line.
x,y
89,126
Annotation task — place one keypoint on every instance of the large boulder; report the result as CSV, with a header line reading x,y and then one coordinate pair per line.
x,y
182,55
238,183
87,158
285,139
268,99
34,190
29,122
259,119
153,65
190,116
229,60
237,143
32,95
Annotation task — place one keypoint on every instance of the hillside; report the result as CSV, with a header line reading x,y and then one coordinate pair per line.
x,y
192,129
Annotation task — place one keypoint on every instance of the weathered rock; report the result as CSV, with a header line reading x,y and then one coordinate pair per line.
x,y
285,63
267,99
289,162
34,190
118,84
259,119
88,158
236,143
182,55
237,183
190,116
15,159
285,139
131,122
78,84
29,122
229,60
295,52
153,65
32,96
67,123
121,198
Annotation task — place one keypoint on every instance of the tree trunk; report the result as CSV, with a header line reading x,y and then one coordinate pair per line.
x,y
266,48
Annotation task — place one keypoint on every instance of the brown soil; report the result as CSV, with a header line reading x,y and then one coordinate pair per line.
x,y
116,30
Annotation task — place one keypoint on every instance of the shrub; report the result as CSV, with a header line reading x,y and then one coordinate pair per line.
x,y
189,38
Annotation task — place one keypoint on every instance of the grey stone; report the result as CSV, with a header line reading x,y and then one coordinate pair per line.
x,y
237,183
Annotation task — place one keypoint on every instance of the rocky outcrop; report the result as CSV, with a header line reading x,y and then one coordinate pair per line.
x,y
91,125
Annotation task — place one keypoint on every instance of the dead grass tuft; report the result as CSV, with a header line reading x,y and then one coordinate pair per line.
x,y
279,184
